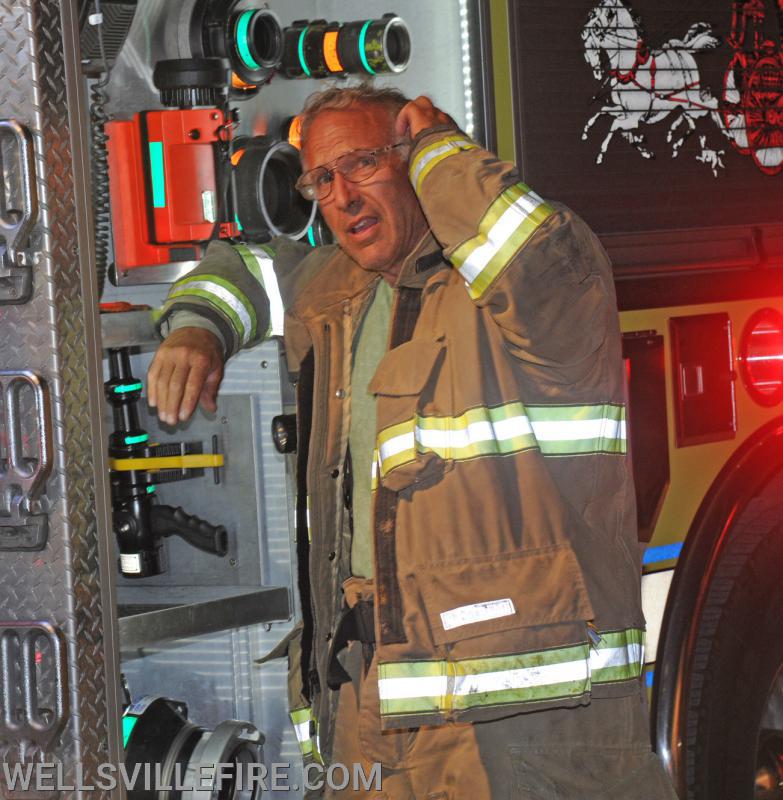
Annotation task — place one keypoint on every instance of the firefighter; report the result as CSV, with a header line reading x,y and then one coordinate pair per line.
x,y
474,620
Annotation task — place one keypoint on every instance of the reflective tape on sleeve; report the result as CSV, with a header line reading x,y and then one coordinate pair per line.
x,y
224,296
433,154
506,226
260,263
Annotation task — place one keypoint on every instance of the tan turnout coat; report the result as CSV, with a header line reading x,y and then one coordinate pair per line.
x,y
507,568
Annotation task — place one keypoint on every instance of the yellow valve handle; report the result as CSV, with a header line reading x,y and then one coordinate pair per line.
x,y
192,461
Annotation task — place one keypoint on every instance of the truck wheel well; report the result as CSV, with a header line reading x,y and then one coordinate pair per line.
x,y
712,551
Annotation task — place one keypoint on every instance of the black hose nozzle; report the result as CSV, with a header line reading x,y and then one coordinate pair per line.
x,y
171,521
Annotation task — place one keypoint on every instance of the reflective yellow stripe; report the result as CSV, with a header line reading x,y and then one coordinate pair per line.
x,y
224,296
433,154
557,430
437,687
506,226
304,728
259,261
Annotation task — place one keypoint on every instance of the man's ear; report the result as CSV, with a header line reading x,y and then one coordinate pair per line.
x,y
403,153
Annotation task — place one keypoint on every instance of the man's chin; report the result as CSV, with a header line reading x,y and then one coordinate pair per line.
x,y
368,258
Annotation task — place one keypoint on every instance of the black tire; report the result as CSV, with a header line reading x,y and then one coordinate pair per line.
x,y
737,661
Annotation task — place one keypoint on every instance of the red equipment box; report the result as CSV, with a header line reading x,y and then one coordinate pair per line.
x,y
164,180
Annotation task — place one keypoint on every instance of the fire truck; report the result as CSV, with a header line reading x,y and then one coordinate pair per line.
x,y
148,572
694,235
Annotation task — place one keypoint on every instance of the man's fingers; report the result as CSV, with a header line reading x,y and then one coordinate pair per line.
x,y
157,384
209,392
418,115
191,391
409,113
168,410
152,382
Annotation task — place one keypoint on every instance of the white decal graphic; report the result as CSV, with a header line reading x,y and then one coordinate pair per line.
x,y
642,86
646,86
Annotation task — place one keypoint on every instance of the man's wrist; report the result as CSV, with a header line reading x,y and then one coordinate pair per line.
x,y
423,134
190,319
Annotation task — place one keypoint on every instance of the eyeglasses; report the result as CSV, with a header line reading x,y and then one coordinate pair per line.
x,y
355,166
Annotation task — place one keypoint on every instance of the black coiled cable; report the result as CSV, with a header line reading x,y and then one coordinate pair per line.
x,y
99,163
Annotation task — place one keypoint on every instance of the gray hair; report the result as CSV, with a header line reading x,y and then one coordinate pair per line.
x,y
338,98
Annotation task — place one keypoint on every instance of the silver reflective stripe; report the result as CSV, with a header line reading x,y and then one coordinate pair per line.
x,y
606,657
546,675
475,432
434,154
240,312
460,685
399,444
578,429
303,731
269,280
499,234
403,688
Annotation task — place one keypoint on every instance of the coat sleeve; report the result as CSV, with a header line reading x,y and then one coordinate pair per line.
x,y
535,266
241,290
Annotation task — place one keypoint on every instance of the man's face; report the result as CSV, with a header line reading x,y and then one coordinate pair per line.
x,y
379,221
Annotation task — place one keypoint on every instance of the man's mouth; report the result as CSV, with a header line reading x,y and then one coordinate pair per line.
x,y
360,228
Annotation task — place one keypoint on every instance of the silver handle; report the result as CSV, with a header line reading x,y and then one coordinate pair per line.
x,y
29,474
15,224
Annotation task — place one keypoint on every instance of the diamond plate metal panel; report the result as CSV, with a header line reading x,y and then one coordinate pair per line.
x,y
68,584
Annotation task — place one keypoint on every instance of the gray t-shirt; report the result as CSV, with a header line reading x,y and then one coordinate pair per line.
x,y
369,348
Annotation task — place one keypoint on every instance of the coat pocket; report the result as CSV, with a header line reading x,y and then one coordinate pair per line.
x,y
479,596
404,384
406,369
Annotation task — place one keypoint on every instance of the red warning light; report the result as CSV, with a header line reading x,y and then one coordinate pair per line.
x,y
761,357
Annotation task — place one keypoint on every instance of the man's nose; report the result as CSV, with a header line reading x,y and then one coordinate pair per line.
x,y
345,193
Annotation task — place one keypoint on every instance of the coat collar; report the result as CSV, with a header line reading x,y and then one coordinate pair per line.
x,y
341,278
421,263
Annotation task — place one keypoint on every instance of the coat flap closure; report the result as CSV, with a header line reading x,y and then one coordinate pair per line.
x,y
405,369
474,597
281,649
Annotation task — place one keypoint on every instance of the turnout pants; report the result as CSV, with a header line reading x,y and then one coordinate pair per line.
x,y
600,751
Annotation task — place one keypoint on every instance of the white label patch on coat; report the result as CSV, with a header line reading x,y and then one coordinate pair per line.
x,y
478,612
